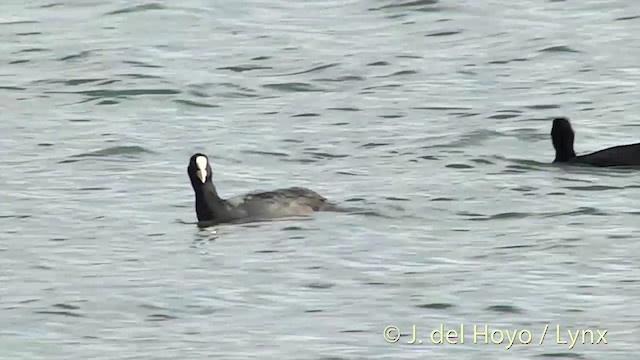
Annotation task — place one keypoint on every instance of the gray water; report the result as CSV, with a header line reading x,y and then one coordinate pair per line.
x,y
432,116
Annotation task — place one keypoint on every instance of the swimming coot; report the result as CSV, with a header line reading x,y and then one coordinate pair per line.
x,y
562,136
210,208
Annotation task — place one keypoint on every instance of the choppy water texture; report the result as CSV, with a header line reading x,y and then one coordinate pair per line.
x,y
433,115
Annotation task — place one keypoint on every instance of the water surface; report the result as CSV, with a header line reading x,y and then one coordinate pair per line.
x,y
433,115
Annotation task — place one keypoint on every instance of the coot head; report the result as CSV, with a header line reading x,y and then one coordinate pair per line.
x,y
199,170
562,136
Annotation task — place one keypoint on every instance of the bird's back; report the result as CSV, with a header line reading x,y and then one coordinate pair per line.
x,y
622,155
293,201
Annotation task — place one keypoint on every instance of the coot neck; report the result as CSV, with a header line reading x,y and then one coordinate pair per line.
x,y
209,206
565,154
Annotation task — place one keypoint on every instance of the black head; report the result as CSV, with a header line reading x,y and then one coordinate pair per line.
x,y
209,206
562,137
199,170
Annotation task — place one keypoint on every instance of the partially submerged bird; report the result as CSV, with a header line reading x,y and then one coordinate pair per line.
x,y
212,210
562,136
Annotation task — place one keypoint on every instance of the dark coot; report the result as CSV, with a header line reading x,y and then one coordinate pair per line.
x,y
562,136
211,209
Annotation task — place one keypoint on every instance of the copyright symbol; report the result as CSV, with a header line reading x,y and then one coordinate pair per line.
x,y
391,334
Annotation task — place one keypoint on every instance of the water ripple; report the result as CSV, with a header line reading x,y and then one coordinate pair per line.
x,y
414,3
195,103
117,151
313,69
560,48
138,8
97,94
293,87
